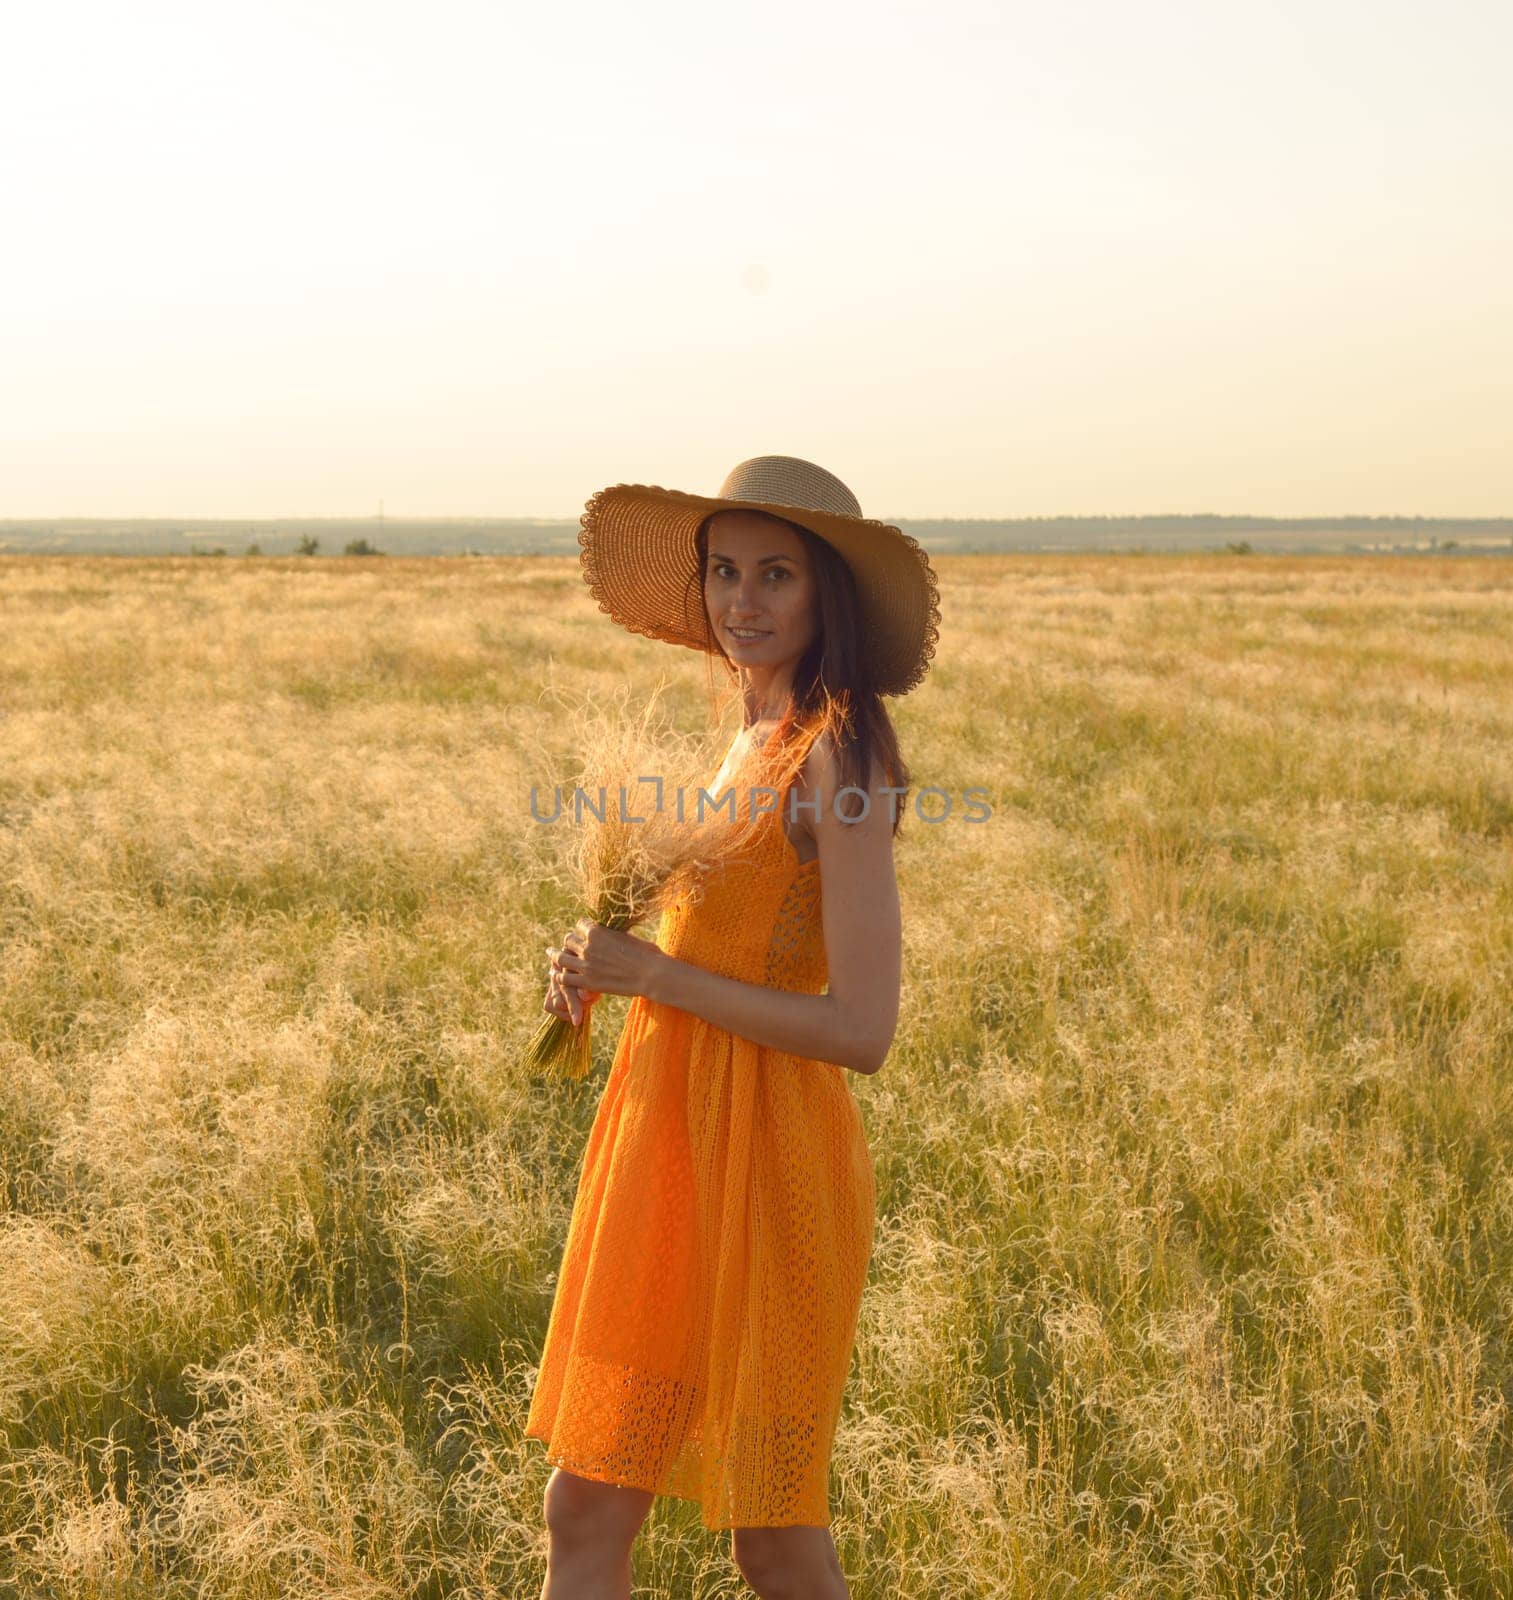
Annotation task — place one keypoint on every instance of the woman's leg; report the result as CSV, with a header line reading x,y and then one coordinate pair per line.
x,y
590,1527
796,1563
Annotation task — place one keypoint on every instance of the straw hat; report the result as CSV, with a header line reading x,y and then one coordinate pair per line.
x,y
638,559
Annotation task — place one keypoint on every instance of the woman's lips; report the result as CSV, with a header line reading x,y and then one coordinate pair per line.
x,y
748,635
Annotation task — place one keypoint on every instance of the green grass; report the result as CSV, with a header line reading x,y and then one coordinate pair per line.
x,y
1193,1274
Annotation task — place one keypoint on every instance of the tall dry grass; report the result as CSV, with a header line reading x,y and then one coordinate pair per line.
x,y
1194,1265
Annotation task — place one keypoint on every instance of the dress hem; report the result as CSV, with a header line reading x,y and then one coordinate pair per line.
x,y
557,1459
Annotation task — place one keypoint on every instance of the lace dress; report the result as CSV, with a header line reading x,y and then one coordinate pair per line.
x,y
707,1300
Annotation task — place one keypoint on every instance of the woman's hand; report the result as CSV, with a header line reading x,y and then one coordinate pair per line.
x,y
562,1001
594,960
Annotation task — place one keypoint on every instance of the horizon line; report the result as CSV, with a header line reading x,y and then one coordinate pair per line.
x,y
539,521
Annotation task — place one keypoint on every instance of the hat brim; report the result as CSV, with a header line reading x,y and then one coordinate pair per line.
x,y
637,556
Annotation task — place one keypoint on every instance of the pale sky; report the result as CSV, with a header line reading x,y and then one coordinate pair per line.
x,y
296,257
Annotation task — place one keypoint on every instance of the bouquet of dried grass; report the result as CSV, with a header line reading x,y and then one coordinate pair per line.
x,y
632,857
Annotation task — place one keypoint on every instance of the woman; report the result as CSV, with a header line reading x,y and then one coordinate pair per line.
x,y
706,1306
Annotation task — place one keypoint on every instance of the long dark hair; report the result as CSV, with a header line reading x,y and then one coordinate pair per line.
x,y
832,684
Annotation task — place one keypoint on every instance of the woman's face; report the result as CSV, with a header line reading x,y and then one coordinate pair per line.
x,y
759,589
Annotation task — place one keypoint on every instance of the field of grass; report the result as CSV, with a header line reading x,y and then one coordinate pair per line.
x,y
1194,1265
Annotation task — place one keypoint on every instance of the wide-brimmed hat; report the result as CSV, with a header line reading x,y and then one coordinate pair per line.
x,y
639,560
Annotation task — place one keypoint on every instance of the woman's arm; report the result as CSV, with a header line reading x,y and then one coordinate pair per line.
x,y
851,1025
811,1025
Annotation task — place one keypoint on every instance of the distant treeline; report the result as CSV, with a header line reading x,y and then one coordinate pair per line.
x,y
521,536
1213,522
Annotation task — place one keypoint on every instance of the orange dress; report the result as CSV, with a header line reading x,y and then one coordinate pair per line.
x,y
706,1305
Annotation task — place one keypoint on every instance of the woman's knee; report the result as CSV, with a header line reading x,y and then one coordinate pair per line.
x,y
779,1562
580,1511
758,1556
